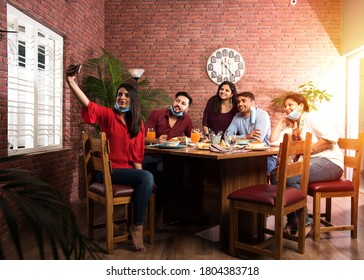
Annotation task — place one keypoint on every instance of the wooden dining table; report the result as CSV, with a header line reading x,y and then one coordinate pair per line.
x,y
199,182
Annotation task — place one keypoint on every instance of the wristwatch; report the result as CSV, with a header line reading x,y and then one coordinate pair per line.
x,y
225,64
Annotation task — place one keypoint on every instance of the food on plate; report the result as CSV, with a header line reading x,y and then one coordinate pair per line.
x,y
182,139
256,144
223,144
174,140
204,146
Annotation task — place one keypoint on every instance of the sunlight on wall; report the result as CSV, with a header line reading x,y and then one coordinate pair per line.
x,y
334,82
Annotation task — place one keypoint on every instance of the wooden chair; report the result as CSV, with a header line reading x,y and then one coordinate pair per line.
x,y
275,200
341,188
96,159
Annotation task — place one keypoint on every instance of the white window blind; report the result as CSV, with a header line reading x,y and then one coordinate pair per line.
x,y
35,63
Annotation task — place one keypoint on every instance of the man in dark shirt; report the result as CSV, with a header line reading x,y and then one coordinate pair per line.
x,y
171,122
167,123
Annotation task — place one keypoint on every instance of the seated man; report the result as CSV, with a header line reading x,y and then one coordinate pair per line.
x,y
251,123
167,123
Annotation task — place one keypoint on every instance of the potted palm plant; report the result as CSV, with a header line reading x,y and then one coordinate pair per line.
x,y
45,216
106,74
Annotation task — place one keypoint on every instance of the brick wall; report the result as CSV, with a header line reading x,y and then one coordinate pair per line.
x,y
283,46
81,23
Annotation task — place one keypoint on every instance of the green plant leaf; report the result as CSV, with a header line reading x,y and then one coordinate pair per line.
x,y
50,219
108,73
313,95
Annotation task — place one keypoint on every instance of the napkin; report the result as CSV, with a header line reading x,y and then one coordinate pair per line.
x,y
218,149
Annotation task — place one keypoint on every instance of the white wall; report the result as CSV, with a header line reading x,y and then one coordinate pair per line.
x,y
352,25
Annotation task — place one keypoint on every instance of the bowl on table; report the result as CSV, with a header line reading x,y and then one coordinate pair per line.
x,y
170,143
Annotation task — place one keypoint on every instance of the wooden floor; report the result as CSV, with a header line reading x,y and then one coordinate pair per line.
x,y
181,242
184,241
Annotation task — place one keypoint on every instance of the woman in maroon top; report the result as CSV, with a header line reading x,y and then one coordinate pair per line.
x,y
220,108
125,131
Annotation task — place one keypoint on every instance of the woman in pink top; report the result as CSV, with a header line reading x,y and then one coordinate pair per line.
x,y
125,131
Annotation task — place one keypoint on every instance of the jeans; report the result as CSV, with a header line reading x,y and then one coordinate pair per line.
x,y
321,170
271,163
142,181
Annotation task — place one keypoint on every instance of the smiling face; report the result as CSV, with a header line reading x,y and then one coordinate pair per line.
x,y
244,105
291,105
122,98
225,92
181,104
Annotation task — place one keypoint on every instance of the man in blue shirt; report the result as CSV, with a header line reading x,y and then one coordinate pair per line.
x,y
251,123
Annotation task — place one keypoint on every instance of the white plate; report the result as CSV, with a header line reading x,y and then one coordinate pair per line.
x,y
170,144
161,146
256,148
242,142
202,147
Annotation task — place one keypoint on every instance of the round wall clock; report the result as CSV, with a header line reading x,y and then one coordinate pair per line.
x,y
225,64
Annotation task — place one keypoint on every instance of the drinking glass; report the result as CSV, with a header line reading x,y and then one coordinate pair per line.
x,y
150,135
195,135
230,140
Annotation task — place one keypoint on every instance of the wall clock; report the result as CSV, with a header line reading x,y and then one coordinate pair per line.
x,y
225,64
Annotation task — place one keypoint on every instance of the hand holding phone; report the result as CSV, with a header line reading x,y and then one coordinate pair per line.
x,y
73,70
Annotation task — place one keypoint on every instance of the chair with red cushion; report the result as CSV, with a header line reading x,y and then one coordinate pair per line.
x,y
96,159
353,149
275,200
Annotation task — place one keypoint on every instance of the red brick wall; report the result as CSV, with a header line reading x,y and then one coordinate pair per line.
x,y
81,23
283,46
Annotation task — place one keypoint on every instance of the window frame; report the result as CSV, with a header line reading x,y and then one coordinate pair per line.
x,y
42,128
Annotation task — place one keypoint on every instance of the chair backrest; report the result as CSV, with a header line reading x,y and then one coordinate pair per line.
x,y
96,159
289,166
353,149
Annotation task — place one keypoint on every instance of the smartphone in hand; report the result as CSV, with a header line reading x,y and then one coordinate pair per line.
x,y
73,70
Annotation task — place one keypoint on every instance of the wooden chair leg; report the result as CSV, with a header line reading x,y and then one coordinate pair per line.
x,y
233,231
278,237
90,217
316,216
109,212
354,216
302,230
328,209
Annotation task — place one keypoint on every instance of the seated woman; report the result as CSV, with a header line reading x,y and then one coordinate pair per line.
x,y
327,161
220,109
125,131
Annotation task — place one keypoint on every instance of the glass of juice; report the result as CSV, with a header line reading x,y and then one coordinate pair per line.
x,y
151,135
195,135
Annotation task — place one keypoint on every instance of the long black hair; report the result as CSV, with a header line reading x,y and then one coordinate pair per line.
x,y
133,116
216,109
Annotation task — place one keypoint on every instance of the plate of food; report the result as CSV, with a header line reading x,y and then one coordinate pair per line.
x,y
171,143
256,147
203,146
161,146
242,141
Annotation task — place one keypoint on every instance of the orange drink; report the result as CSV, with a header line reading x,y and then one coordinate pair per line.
x,y
150,134
195,136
